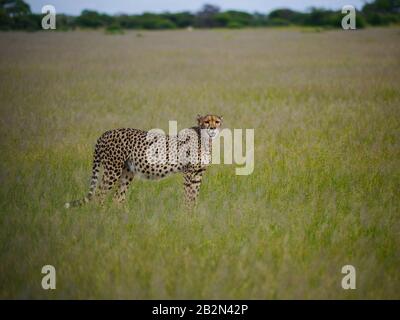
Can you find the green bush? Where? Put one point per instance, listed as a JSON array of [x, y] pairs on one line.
[[360, 22], [5, 20], [180, 19], [164, 24], [93, 19], [234, 25], [152, 21], [277, 22], [381, 19], [114, 29], [292, 16]]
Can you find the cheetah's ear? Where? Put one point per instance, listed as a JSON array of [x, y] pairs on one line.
[[221, 118], [199, 119]]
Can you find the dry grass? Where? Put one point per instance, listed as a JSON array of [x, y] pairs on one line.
[[324, 193]]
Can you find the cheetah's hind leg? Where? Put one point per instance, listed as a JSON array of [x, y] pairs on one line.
[[110, 177], [123, 183]]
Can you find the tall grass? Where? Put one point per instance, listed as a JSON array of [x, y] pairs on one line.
[[324, 192]]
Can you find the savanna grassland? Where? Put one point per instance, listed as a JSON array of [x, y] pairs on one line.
[[324, 193]]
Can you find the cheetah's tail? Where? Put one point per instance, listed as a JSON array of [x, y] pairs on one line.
[[93, 183]]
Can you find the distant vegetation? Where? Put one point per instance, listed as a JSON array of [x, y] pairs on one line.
[[17, 15]]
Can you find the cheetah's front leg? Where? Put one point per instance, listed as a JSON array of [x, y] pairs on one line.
[[192, 182]]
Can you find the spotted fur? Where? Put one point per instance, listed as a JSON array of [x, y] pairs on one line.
[[125, 154]]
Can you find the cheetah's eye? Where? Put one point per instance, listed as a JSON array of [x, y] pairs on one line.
[[207, 122], [217, 122]]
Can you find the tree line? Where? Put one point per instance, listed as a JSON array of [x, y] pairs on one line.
[[17, 15]]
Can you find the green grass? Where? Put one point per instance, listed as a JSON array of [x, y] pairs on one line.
[[324, 192]]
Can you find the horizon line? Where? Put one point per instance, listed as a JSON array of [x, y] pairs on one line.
[[307, 10]]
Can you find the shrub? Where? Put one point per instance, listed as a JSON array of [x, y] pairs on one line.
[[234, 25], [277, 22], [114, 29]]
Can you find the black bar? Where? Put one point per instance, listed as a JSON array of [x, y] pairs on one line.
[[200, 309]]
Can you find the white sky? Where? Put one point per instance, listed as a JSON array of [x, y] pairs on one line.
[[74, 7]]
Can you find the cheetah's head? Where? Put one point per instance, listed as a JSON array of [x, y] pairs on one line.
[[210, 123]]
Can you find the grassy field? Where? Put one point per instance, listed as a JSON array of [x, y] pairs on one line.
[[325, 107]]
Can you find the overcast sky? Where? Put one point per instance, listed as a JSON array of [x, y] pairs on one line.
[[74, 7]]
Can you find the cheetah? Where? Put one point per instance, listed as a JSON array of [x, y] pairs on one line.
[[127, 153]]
